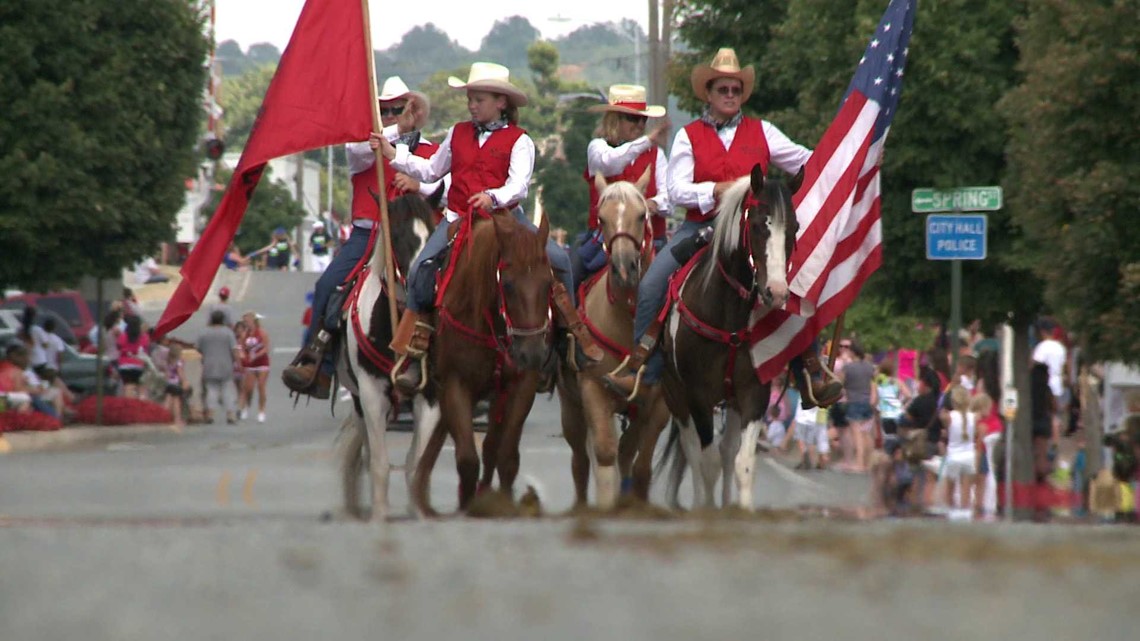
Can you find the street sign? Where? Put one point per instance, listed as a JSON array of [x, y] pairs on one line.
[[926, 200], [960, 237]]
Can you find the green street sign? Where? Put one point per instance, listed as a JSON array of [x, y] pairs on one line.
[[927, 200]]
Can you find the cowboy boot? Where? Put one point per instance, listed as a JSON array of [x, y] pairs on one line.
[[303, 373], [410, 343], [573, 323], [817, 384], [626, 378]]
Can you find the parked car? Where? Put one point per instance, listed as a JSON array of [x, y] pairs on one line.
[[76, 313]]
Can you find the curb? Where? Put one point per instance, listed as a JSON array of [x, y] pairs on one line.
[[74, 436]]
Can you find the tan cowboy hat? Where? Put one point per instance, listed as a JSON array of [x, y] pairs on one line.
[[394, 88], [724, 65], [488, 76], [629, 99]]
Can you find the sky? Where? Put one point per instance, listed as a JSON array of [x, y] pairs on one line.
[[253, 21]]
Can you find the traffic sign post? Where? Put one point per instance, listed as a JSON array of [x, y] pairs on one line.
[[958, 237], [955, 237], [927, 200]]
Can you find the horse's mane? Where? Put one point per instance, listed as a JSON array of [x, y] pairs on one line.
[[726, 229], [473, 284], [402, 214], [726, 232]]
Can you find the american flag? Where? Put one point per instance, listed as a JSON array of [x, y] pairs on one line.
[[840, 239]]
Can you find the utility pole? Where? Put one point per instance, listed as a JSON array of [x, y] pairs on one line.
[[653, 86], [299, 185], [665, 51]]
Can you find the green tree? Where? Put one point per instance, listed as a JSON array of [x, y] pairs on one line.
[[1074, 180], [421, 53], [448, 105], [241, 97], [102, 111], [507, 43]]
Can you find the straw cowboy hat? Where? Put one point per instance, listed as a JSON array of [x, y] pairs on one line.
[[724, 65], [394, 88], [629, 99], [488, 76]]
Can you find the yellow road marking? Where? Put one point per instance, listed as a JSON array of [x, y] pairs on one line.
[[223, 492], [5, 446], [247, 488]]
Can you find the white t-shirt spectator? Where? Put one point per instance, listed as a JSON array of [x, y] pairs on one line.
[[54, 346], [37, 351], [1052, 354]]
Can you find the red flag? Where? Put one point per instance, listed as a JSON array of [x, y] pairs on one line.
[[840, 241], [319, 96]]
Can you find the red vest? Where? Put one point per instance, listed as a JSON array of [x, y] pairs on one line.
[[364, 206], [713, 163], [648, 158], [474, 168]]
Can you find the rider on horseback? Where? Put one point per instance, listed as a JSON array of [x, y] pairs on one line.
[[623, 152], [708, 155], [491, 160], [312, 368]]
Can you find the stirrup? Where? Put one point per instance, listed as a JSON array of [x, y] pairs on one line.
[[399, 365], [606, 380]]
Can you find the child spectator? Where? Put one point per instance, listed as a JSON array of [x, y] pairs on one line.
[[175, 383], [890, 396], [958, 465], [132, 345]]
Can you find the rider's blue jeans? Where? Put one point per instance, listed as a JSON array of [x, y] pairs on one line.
[[652, 291], [341, 266]]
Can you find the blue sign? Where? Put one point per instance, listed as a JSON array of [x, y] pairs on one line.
[[961, 237]]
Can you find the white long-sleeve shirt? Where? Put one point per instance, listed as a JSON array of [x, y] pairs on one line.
[[610, 161], [362, 158], [430, 169], [683, 192]]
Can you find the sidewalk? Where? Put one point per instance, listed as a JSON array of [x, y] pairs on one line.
[[75, 436]]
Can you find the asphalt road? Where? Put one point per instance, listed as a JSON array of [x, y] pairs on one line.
[[236, 532]]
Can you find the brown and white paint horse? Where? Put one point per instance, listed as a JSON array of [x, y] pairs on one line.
[[706, 344], [367, 331]]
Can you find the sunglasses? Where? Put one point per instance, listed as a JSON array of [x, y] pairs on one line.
[[845, 345], [634, 118], [726, 90], [391, 111]]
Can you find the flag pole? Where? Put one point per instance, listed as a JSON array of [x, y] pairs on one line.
[[385, 227], [836, 336]]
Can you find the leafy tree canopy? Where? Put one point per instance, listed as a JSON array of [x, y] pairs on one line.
[[1074, 179], [99, 133], [272, 206]]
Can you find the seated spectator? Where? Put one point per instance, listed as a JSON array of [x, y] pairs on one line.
[[53, 350], [13, 382], [147, 272]]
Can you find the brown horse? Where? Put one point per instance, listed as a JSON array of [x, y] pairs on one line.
[[607, 308], [492, 341], [706, 345]]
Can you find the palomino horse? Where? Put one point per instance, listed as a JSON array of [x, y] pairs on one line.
[[367, 361], [606, 306], [707, 330], [492, 341]]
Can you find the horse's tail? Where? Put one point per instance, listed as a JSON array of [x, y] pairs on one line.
[[354, 462]]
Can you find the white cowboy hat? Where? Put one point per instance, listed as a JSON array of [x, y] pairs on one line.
[[724, 65], [488, 76], [629, 99], [394, 88], [318, 224]]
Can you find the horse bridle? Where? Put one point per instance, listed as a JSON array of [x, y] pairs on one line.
[[504, 313]]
